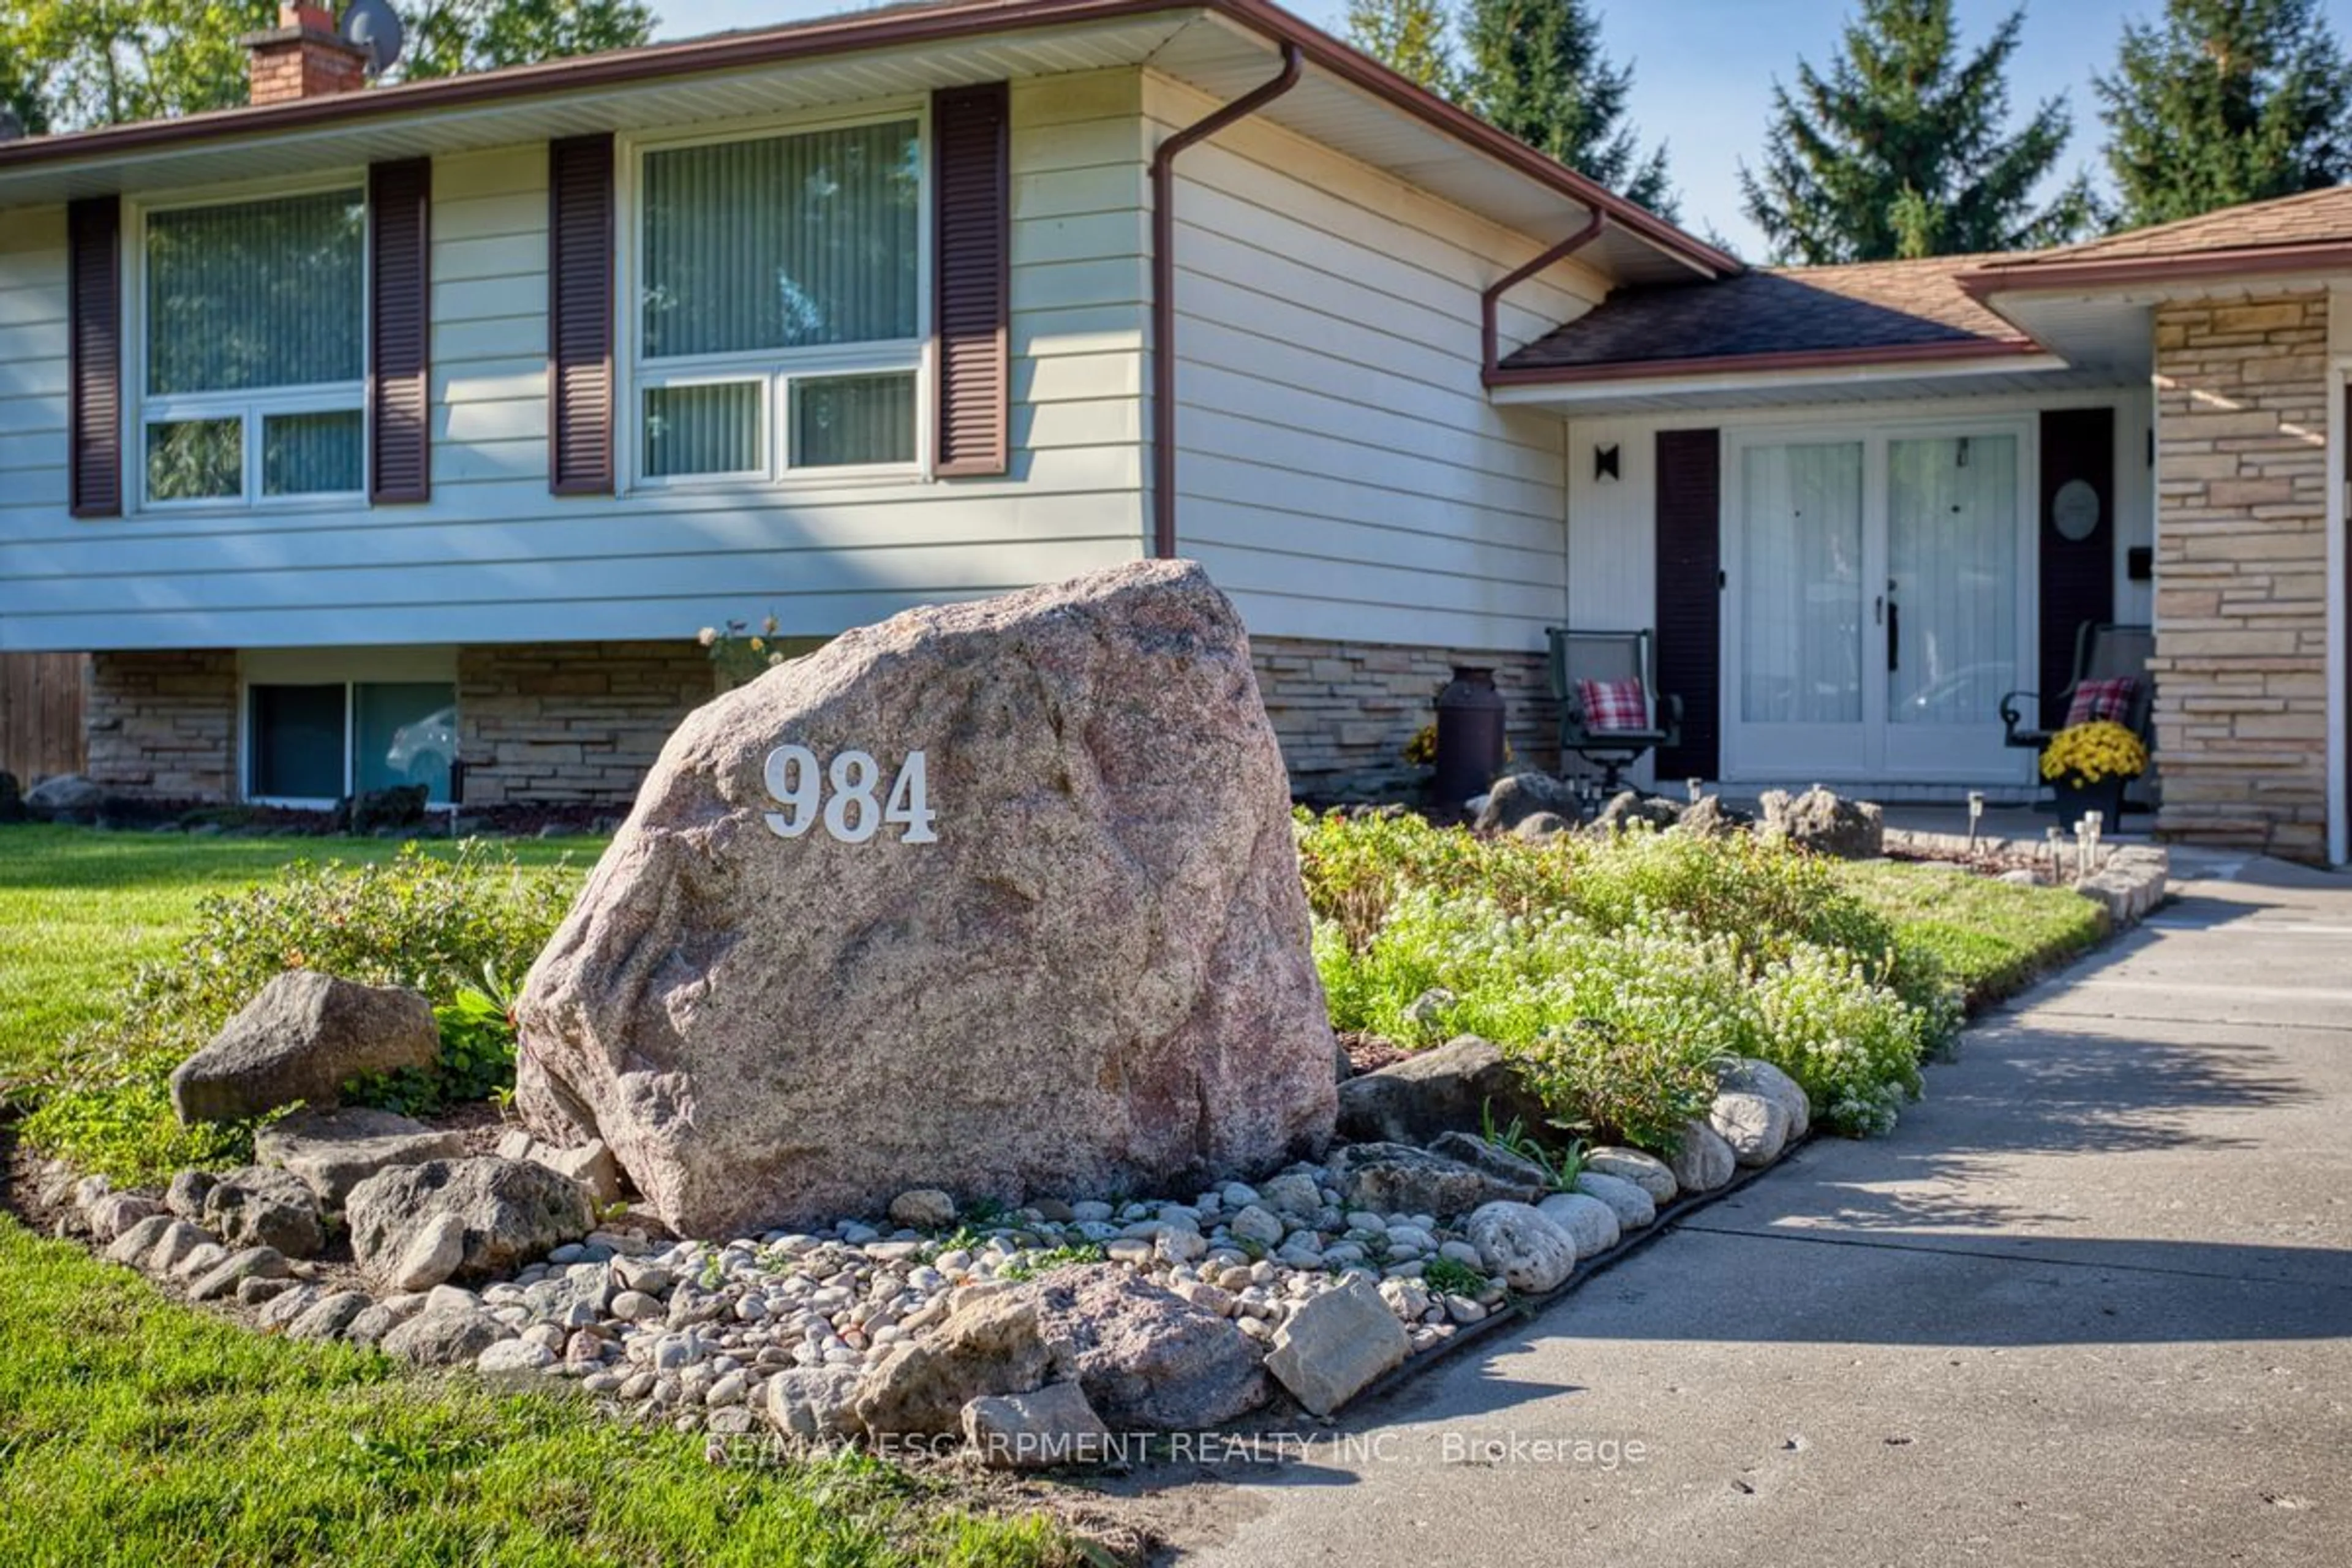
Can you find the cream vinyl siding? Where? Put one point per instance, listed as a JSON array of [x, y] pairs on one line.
[[494, 558], [1341, 472], [33, 375]]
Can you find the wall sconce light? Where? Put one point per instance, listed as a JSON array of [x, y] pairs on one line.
[[1605, 462]]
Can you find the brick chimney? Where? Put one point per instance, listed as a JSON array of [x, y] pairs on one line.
[[302, 56]]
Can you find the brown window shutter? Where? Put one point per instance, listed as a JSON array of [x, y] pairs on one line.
[[94, 237], [580, 315], [400, 367], [1689, 608], [972, 175]]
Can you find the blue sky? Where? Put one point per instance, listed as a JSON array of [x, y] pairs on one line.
[[1702, 70]]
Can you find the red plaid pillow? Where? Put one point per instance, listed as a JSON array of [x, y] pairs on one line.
[[2096, 700], [1614, 707]]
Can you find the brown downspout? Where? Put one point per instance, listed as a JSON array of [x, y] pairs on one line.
[[1488, 360], [1163, 289]]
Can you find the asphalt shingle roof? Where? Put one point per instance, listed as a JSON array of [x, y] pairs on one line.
[[2314, 217], [1878, 304]]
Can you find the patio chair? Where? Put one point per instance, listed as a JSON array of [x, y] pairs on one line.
[[2104, 651], [1611, 711]]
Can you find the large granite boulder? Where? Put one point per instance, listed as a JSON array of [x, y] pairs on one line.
[[299, 1041], [780, 1009], [510, 1212]]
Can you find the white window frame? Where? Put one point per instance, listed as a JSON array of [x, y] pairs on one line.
[[252, 406], [344, 669], [777, 369]]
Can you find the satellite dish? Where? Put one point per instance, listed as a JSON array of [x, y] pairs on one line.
[[372, 27]]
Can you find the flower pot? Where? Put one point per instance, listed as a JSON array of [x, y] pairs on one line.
[[2071, 799]]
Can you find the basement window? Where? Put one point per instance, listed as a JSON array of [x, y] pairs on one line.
[[311, 744]]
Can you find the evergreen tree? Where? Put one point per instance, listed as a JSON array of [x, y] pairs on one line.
[[1535, 68], [2225, 101], [1406, 35], [1901, 149]]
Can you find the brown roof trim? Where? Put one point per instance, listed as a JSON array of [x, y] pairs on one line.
[[2121, 272], [1957, 351], [888, 27]]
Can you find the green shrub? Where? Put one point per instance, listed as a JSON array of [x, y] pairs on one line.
[[1619, 972], [435, 925]]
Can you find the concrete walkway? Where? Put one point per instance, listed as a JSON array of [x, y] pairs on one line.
[[2090, 1304]]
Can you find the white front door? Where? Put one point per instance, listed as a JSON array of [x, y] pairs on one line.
[[1879, 603]]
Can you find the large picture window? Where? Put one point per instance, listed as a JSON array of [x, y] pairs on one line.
[[255, 347], [320, 742], [780, 303]]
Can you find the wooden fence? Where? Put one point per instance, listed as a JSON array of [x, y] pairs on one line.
[[41, 698]]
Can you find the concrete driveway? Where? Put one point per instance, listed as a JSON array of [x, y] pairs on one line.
[[2090, 1304]]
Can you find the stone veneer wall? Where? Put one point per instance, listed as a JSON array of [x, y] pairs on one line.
[[163, 725], [2241, 572], [551, 723], [1343, 711]]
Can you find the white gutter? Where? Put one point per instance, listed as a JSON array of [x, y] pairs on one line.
[[1622, 389]]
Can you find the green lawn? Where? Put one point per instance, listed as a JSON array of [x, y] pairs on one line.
[[79, 908], [136, 1431], [1993, 938]]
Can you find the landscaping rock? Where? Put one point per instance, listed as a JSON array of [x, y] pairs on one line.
[[1708, 817], [300, 1040], [1543, 825], [1647, 1172], [925, 1208], [1704, 1161], [1334, 1346], [1521, 1243], [1753, 1124], [1395, 1178], [1588, 1222], [1634, 1208], [373, 811], [334, 1150], [992, 1345], [199, 1260], [70, 796], [172, 1247], [1147, 1358], [116, 1213], [1100, 756], [512, 1211], [330, 1317], [433, 1252], [1447, 1088], [1492, 1158], [1518, 796], [281, 1311], [255, 1292], [814, 1404], [137, 1240], [185, 1196], [1053, 1426], [451, 1336], [374, 1324], [252, 1262], [1627, 808], [1754, 1077], [1824, 824], [257, 1206], [513, 1356], [591, 1163]]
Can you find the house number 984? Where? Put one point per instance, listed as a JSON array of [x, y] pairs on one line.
[[845, 794]]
